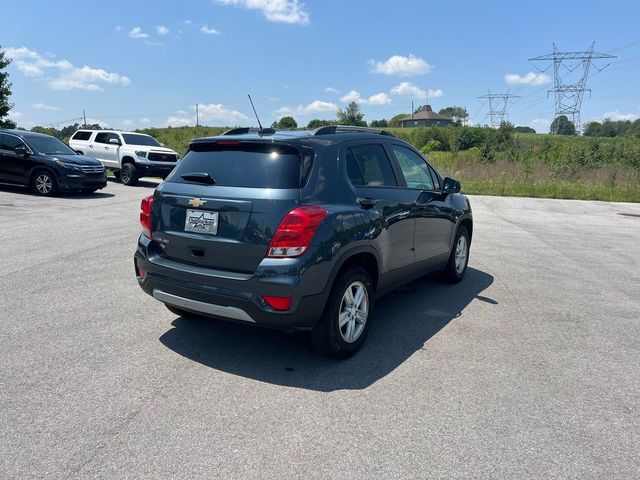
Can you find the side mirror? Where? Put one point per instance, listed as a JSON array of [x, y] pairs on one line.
[[115, 141], [21, 150], [449, 185]]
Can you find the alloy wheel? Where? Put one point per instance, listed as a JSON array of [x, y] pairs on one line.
[[44, 184], [462, 253], [353, 313]]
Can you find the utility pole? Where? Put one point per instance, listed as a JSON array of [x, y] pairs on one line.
[[569, 95], [412, 110], [498, 103], [197, 116], [84, 116]]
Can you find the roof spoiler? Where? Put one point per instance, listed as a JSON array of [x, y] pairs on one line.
[[331, 129], [246, 130]]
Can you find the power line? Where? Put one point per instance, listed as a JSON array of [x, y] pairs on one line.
[[568, 96], [498, 103]]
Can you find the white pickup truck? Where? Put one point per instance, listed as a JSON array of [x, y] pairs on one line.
[[129, 155]]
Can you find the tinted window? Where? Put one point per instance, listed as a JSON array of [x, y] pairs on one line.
[[434, 176], [255, 165], [9, 142], [368, 165], [49, 146], [81, 136], [414, 168], [104, 137], [135, 139]]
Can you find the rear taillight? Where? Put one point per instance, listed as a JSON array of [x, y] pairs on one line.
[[145, 215], [296, 231]]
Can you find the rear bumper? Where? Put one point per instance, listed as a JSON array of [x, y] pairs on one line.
[[230, 296]]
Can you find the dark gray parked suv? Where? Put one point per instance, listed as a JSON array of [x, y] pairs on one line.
[[299, 230]]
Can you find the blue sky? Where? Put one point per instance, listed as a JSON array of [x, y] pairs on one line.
[[148, 63]]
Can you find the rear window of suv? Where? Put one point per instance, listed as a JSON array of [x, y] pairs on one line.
[[246, 164], [81, 136]]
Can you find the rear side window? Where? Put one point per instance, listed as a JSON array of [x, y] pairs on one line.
[[253, 165], [369, 166], [414, 168], [9, 142], [81, 136], [104, 137]]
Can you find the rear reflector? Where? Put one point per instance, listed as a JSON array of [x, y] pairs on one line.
[[145, 215], [278, 303], [296, 231]]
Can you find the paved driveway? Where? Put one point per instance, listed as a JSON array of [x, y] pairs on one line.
[[530, 368]]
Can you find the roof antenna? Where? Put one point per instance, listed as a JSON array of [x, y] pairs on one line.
[[254, 111]]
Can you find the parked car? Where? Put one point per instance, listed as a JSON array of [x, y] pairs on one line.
[[299, 230], [129, 155], [46, 165]]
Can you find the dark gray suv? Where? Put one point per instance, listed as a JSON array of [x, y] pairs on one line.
[[299, 230]]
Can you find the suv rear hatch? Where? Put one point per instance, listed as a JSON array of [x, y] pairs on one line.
[[228, 225]]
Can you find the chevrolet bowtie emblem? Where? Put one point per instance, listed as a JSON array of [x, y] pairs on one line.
[[196, 202]]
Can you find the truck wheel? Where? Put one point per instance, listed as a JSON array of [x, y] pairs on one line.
[[44, 184], [129, 174], [346, 319], [459, 257]]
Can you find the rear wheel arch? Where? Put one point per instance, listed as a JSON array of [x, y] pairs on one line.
[[40, 168], [363, 258]]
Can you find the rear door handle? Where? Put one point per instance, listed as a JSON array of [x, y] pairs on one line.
[[367, 202]]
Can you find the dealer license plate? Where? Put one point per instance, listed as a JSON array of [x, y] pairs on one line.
[[199, 221]]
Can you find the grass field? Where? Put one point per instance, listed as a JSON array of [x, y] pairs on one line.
[[491, 162]]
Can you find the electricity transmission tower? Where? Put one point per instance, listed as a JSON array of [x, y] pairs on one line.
[[498, 103], [569, 96]]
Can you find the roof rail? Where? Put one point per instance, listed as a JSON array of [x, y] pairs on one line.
[[330, 129], [246, 130]]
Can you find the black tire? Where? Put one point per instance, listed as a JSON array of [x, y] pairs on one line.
[[453, 273], [328, 337], [129, 174], [44, 183]]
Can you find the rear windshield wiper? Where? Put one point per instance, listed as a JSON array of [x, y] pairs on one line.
[[199, 177]]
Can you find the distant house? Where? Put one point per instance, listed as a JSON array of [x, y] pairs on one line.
[[426, 117]]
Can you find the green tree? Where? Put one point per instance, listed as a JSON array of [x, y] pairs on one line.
[[5, 93], [287, 123], [395, 120], [521, 129], [379, 123], [351, 115], [317, 123], [457, 114], [563, 126], [592, 129]]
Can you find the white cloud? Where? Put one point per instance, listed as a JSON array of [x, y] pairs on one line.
[[408, 89], [119, 28], [332, 90], [540, 122], [43, 106], [209, 31], [317, 106], [280, 11], [14, 115], [535, 79], [218, 112], [401, 66], [616, 115], [128, 122], [97, 121], [187, 22], [136, 32], [181, 112], [62, 74], [145, 121], [174, 121], [162, 30], [377, 99]]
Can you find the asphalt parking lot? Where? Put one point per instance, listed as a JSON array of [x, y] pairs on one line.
[[529, 368]]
